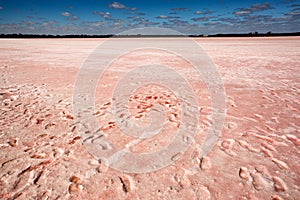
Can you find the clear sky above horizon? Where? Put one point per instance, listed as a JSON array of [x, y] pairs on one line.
[[112, 17]]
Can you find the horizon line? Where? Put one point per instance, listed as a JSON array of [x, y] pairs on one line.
[[251, 34]]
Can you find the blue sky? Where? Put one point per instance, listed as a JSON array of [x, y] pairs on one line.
[[111, 17]]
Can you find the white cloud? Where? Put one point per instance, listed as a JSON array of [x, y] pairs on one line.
[[66, 14], [74, 17], [98, 23], [162, 17], [201, 19], [254, 8], [117, 5], [167, 17], [199, 12], [260, 7], [48, 23], [242, 13], [105, 15], [69, 16], [94, 24]]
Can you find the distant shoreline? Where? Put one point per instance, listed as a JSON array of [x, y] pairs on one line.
[[255, 34]]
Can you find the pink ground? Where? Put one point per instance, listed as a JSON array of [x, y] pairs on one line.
[[256, 156]]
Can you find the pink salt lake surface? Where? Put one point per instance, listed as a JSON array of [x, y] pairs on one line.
[[256, 156]]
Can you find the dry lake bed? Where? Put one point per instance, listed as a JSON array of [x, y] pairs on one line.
[[50, 149]]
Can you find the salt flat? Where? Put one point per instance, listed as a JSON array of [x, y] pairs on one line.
[[43, 156]]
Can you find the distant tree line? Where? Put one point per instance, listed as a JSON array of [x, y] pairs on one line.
[[20, 35], [251, 34]]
